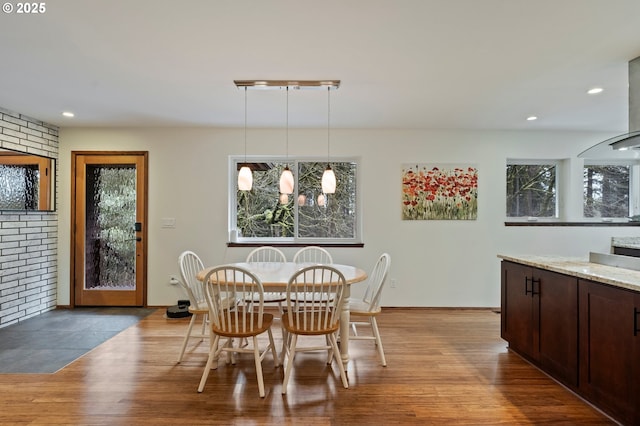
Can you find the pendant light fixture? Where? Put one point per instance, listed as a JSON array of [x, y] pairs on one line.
[[245, 177], [328, 177], [286, 178]]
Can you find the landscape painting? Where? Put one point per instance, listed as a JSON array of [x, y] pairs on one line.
[[439, 192]]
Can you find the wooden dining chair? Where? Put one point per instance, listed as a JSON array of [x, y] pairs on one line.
[[244, 321], [274, 256], [313, 254], [365, 310], [190, 264], [313, 317]]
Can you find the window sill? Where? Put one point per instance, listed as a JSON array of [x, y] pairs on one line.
[[603, 224], [291, 244]]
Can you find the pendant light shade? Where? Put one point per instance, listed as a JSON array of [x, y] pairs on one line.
[[328, 181], [245, 177], [286, 181]]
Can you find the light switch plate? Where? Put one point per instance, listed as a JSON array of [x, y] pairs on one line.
[[168, 222]]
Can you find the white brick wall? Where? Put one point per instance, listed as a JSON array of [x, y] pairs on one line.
[[28, 240]]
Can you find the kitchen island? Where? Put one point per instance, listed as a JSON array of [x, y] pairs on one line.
[[579, 322]]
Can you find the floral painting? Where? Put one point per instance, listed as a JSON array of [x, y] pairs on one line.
[[439, 192]]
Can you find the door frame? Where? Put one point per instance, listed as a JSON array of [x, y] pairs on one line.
[[143, 233]]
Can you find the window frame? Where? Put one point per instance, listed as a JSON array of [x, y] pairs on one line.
[[557, 163], [233, 232], [634, 185], [45, 167]]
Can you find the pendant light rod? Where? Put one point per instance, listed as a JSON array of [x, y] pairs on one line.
[[287, 136], [245, 125], [328, 123]]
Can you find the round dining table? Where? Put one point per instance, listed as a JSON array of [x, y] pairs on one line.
[[275, 277]]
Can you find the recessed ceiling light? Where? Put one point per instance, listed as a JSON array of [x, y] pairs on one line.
[[595, 90], [68, 114], [532, 118]]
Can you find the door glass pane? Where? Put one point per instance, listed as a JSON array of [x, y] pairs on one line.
[[110, 246]]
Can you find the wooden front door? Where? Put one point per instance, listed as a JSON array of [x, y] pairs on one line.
[[109, 232]]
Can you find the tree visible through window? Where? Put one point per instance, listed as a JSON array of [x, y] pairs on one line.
[[531, 190], [264, 213], [606, 190]]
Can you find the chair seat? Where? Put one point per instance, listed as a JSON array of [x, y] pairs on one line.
[[269, 297], [359, 307], [267, 320], [306, 320], [315, 297], [201, 308]]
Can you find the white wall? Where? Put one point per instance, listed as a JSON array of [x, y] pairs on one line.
[[435, 263]]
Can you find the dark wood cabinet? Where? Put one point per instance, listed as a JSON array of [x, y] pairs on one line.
[[584, 333], [517, 325], [540, 318], [610, 349], [558, 322]]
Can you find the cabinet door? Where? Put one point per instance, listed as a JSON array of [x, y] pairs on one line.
[[609, 372], [517, 322], [558, 325]]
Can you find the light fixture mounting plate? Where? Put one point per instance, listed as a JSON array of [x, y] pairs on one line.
[[283, 84]]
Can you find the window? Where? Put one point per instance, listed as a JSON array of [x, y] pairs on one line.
[[26, 181], [531, 188], [606, 190], [264, 215]]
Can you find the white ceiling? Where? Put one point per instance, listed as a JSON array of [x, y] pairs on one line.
[[473, 64]]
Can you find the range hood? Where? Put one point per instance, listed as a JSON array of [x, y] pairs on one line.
[[628, 144]]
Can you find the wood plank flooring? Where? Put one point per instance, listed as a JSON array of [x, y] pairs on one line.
[[445, 367]]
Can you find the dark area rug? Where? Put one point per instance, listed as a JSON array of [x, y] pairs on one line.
[[48, 342]]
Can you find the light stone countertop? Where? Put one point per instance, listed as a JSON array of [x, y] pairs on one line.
[[626, 242], [581, 268]]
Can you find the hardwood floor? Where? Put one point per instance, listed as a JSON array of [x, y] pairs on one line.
[[444, 367]]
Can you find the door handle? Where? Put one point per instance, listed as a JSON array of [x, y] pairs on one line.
[[526, 285], [535, 281], [636, 312]]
